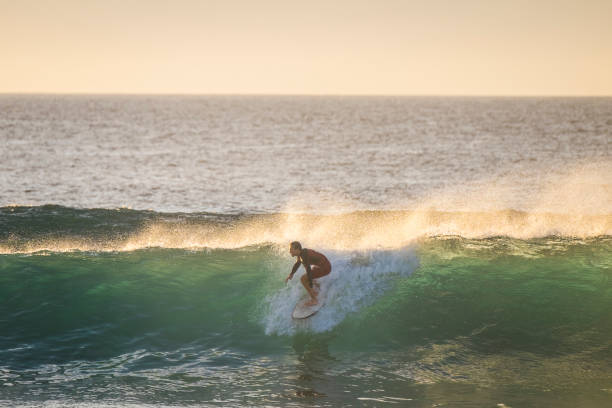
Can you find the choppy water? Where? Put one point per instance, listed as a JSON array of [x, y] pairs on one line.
[[470, 240]]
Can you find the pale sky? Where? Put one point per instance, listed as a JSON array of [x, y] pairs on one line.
[[392, 47]]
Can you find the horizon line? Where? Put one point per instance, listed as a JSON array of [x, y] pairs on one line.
[[308, 94]]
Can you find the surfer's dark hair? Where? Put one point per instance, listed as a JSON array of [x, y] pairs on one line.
[[296, 245]]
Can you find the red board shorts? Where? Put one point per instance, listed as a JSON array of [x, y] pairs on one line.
[[318, 271]]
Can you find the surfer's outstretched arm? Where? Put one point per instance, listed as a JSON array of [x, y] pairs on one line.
[[295, 268]]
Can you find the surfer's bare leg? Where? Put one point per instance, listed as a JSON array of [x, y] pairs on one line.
[[311, 291]]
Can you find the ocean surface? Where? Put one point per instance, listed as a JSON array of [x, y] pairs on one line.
[[144, 249]]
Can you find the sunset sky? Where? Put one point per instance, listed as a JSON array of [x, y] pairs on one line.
[[434, 47]]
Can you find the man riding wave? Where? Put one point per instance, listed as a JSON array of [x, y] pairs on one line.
[[316, 265]]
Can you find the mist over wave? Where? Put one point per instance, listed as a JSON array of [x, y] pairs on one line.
[[33, 229]]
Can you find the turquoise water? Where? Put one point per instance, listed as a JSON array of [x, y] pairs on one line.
[[445, 320]]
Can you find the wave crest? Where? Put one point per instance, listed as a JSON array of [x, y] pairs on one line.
[[360, 230]]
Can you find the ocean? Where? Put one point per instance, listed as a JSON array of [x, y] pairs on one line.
[[144, 250]]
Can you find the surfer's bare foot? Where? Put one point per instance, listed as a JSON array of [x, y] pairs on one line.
[[311, 303]]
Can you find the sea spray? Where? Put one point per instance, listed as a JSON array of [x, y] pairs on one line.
[[60, 229]]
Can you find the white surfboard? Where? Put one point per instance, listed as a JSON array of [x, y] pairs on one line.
[[302, 311]]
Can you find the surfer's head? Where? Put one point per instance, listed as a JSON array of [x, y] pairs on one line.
[[295, 248]]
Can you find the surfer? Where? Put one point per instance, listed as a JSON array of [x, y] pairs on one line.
[[316, 265]]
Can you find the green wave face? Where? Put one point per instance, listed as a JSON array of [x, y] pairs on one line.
[[96, 305], [523, 322]]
